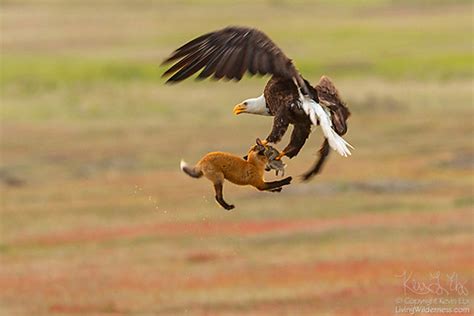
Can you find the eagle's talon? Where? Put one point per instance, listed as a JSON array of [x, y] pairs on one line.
[[280, 155]]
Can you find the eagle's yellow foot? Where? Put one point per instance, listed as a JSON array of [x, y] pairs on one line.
[[264, 142], [280, 155]]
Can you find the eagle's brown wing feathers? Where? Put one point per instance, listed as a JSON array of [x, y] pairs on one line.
[[329, 96], [328, 91], [229, 53]]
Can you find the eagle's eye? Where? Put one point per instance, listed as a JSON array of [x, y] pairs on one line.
[[245, 103]]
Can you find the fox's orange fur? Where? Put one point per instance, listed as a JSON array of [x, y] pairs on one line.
[[219, 166]]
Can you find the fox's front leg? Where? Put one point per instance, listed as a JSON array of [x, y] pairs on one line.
[[277, 190], [274, 185], [220, 198]]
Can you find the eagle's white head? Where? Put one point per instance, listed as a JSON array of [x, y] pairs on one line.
[[253, 106]]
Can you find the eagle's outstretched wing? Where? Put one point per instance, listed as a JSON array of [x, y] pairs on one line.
[[229, 53]]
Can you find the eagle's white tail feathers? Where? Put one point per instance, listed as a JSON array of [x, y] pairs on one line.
[[315, 111]]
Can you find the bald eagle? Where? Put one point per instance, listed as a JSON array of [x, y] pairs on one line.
[[230, 52]]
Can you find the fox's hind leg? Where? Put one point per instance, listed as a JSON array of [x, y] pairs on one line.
[[220, 198], [217, 178]]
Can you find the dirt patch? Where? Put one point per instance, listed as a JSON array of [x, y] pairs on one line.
[[9, 178]]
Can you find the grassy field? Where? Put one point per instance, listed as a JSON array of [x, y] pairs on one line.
[[97, 219]]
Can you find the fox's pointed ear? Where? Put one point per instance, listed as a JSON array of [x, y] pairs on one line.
[[259, 142]]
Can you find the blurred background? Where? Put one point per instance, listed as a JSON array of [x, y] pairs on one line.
[[97, 218]]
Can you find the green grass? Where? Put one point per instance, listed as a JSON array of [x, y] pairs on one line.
[[40, 74]]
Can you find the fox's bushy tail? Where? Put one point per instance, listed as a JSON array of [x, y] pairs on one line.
[[194, 172]]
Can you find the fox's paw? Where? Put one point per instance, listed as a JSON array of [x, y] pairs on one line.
[[276, 190]]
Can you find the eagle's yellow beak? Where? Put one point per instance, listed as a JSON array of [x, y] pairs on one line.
[[240, 108]]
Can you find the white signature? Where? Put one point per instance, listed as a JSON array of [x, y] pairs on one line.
[[435, 285]]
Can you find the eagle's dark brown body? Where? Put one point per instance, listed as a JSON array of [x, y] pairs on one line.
[[282, 99]]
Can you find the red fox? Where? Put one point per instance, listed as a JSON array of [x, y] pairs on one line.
[[217, 166]]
